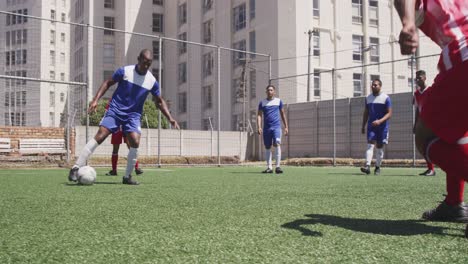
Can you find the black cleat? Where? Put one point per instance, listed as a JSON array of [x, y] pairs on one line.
[[377, 171], [138, 171], [366, 169], [73, 174], [447, 213], [268, 170], [112, 173], [278, 170], [129, 181], [428, 173]]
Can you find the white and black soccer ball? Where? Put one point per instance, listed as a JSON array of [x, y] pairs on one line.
[[86, 175]]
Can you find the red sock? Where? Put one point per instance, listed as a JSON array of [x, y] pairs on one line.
[[136, 165], [430, 165], [453, 159], [115, 158]]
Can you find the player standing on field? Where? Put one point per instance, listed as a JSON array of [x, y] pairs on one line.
[[377, 111], [421, 82], [125, 108], [442, 128], [271, 109]]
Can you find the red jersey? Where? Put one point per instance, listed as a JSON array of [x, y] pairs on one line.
[[446, 23]]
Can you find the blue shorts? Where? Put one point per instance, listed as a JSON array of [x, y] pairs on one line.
[[271, 136], [378, 135], [113, 122]]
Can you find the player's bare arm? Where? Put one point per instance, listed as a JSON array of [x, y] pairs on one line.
[[387, 116], [102, 90], [259, 122], [409, 38], [161, 105], [285, 122], [365, 116]]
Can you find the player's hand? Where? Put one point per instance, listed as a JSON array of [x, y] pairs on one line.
[[92, 107], [363, 130], [409, 39], [174, 123], [259, 131], [376, 123], [286, 131]]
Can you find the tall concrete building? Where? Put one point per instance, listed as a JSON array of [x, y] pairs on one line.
[[343, 34], [36, 49]]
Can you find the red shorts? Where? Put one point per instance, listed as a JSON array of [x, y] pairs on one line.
[[117, 137], [443, 107]]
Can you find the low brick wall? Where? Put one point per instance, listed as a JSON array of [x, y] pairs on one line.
[[16, 133]]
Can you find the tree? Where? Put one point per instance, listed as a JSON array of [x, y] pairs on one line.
[[149, 109]]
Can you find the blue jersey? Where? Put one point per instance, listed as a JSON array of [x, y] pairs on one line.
[[378, 106], [132, 90], [271, 112]]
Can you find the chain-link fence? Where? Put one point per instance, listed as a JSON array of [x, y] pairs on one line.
[[53, 68]]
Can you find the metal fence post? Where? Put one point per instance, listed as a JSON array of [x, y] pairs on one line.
[[219, 104], [334, 116], [159, 111], [412, 108]]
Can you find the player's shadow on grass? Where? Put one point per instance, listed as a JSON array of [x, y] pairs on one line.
[[373, 226], [96, 183]]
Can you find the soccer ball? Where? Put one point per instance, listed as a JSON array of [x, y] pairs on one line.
[[86, 175]]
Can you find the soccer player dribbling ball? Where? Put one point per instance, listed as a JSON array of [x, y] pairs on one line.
[[135, 82], [442, 128]]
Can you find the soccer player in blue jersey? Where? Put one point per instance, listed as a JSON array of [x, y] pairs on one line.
[[271, 109], [135, 82], [377, 111]]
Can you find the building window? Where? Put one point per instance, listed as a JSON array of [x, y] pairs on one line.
[[62, 57], [182, 45], [207, 96], [52, 119], [158, 23], [207, 4], [52, 15], [207, 31], [156, 50], [253, 84], [52, 58], [316, 83], [357, 11], [109, 4], [375, 51], [52, 75], [252, 43], [252, 9], [182, 98], [237, 55], [62, 37], [52, 99], [182, 14], [109, 53], [62, 76], [208, 63], [23, 98], [109, 22], [182, 72], [7, 38], [373, 12], [158, 2], [64, 17], [357, 84], [374, 77], [316, 8], [52, 37], [237, 91], [239, 19], [62, 97], [357, 48], [316, 41]]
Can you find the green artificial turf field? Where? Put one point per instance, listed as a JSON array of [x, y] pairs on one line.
[[226, 215]]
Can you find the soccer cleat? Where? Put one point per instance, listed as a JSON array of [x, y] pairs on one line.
[[428, 173], [73, 174], [278, 170], [112, 173], [129, 181], [377, 171], [447, 213], [365, 169], [138, 171], [268, 170]]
